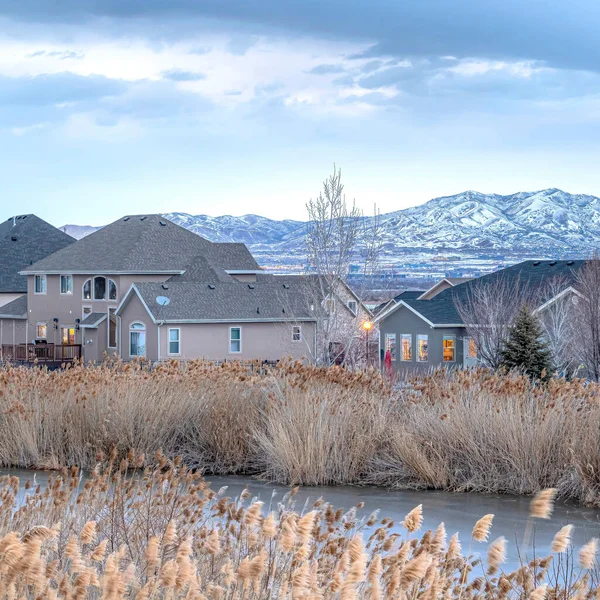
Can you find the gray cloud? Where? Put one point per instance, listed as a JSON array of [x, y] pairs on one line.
[[559, 33]]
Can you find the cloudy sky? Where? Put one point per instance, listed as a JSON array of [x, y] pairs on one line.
[[243, 106]]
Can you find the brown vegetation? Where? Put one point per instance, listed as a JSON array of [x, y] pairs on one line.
[[164, 533], [303, 425]]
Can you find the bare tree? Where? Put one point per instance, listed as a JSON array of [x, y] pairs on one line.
[[587, 317], [558, 320], [488, 309], [335, 231]]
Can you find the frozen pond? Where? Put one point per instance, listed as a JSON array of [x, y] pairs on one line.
[[458, 512]]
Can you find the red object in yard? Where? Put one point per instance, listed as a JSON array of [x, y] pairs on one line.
[[387, 363]]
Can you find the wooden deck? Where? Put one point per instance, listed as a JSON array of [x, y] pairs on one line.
[[40, 353]]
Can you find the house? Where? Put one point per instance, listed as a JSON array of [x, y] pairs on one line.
[[146, 287], [428, 331], [24, 239]]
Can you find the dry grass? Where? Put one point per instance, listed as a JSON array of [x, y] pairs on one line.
[[302, 425], [163, 533]]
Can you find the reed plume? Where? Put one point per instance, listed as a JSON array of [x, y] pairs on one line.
[[542, 505], [562, 539], [482, 528]]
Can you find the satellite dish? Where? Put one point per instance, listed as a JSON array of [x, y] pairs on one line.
[[162, 300]]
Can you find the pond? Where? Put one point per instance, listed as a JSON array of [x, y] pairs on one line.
[[458, 512]]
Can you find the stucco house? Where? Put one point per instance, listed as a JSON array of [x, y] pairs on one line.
[[428, 331], [25, 239], [146, 287]]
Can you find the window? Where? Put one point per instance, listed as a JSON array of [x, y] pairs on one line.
[[235, 340], [137, 339], [99, 288], [407, 346], [449, 348], [39, 284], [390, 345], [40, 331], [330, 306], [85, 311], [353, 306], [174, 341], [296, 333], [87, 290], [112, 328], [66, 284], [471, 348], [112, 290], [68, 335], [422, 349]]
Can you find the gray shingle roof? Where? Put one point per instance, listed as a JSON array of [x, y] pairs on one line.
[[143, 244], [93, 320], [17, 309], [25, 240], [231, 301], [441, 309]]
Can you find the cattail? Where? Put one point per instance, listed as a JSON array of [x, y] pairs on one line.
[[414, 519], [587, 554], [496, 554], [562, 539], [482, 528], [88, 533], [542, 505]]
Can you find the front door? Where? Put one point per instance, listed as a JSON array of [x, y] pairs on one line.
[[68, 336]]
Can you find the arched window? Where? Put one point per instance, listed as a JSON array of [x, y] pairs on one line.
[[87, 290], [112, 290], [99, 288], [137, 339]]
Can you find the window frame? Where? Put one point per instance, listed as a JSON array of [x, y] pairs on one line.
[[453, 338], [294, 328], [37, 278], [114, 309], [113, 283], [354, 310], [406, 336], [45, 326], [178, 341], [232, 340], [68, 328], [90, 299], [422, 337], [132, 330], [386, 346], [69, 278]]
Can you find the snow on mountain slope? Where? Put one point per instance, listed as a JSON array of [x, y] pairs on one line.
[[550, 221]]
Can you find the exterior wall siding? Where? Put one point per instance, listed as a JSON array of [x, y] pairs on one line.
[[404, 321], [15, 331], [260, 341]]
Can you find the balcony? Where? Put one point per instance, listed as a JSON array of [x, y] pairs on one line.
[[40, 353]]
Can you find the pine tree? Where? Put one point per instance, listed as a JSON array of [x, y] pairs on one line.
[[525, 348]]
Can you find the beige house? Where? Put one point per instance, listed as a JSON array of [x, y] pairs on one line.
[[144, 286]]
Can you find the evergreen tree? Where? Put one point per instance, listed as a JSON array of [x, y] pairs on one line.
[[525, 348]]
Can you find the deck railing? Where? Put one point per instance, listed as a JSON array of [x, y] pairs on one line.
[[40, 352]]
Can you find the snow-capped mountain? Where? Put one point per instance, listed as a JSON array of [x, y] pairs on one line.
[[550, 222]]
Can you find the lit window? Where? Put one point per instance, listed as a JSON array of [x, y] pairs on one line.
[[449, 348], [137, 339], [40, 284], [87, 290], [471, 348], [40, 331], [68, 336], [66, 284], [390, 345], [174, 341], [235, 340], [406, 346], [422, 348], [112, 328], [296, 333], [353, 306]]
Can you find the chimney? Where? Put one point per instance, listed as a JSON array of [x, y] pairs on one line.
[[14, 221]]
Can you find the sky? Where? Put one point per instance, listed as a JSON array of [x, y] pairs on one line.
[[110, 107]]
